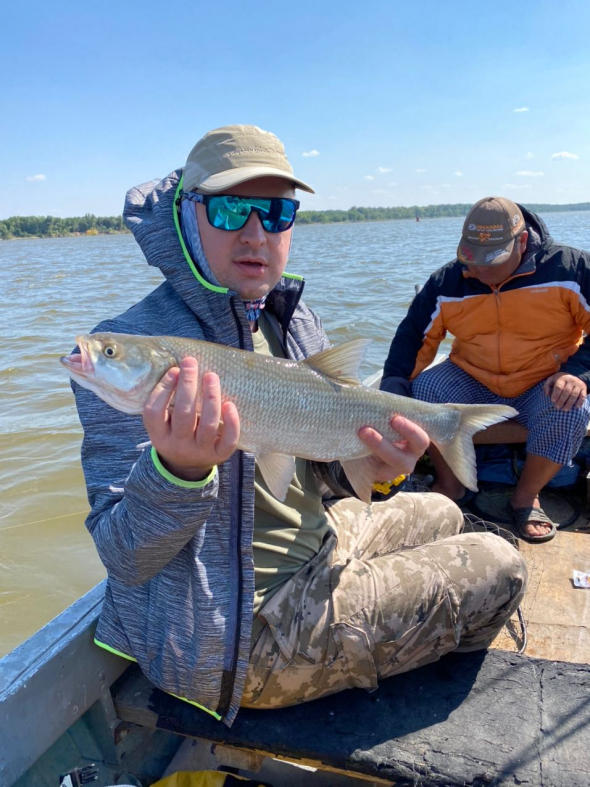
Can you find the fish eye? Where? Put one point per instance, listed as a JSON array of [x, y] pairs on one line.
[[109, 351]]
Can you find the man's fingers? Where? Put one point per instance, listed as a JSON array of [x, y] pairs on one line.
[[184, 416], [418, 440], [210, 410], [581, 399], [561, 393], [230, 433], [372, 438], [155, 412], [548, 384]]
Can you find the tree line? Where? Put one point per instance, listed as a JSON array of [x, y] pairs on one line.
[[54, 227], [415, 211]]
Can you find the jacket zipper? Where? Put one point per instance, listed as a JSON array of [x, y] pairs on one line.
[[496, 290], [229, 677]]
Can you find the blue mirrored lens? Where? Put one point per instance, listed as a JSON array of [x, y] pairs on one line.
[[231, 213]]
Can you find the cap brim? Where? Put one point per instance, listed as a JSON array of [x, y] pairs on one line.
[[233, 177], [475, 254]]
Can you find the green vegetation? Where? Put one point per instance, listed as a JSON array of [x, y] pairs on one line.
[[423, 211], [52, 227]]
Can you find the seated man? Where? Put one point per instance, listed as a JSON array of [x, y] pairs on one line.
[[224, 595], [517, 304]]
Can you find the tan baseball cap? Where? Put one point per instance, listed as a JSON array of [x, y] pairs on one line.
[[230, 155], [489, 231]]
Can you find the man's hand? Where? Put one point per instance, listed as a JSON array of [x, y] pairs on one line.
[[390, 460], [190, 445], [566, 391]]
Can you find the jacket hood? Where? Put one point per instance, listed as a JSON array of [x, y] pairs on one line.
[[150, 212], [539, 237]]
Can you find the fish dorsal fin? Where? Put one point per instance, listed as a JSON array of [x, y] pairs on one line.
[[341, 363], [277, 471]]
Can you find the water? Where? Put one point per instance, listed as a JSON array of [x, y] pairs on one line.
[[359, 277]]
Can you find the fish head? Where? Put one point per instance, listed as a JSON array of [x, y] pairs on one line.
[[121, 369]]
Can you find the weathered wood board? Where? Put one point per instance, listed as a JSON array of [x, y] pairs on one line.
[[557, 613]]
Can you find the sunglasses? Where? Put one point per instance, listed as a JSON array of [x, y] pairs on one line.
[[226, 212]]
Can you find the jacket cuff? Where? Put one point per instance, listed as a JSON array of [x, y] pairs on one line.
[[147, 482], [180, 481]]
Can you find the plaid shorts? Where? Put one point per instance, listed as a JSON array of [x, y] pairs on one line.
[[553, 433]]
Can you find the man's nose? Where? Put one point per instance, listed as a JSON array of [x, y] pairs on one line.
[[253, 232]]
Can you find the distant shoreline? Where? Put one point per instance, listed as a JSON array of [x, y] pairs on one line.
[[41, 227], [68, 235]]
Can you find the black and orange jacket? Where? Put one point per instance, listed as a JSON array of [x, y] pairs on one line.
[[510, 336]]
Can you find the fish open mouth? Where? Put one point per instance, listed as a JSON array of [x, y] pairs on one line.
[[79, 363]]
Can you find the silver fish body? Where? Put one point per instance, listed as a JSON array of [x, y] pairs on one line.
[[311, 409]]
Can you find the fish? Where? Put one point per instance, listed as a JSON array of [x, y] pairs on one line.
[[312, 408]]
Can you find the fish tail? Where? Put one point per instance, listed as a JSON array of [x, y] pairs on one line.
[[459, 452]]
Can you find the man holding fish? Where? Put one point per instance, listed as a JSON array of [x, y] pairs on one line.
[[517, 304], [232, 579]]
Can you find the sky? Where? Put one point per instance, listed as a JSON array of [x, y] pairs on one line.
[[381, 103]]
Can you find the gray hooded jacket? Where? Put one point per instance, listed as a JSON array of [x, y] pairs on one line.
[[179, 555]]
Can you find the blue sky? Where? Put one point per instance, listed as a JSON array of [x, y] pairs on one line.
[[398, 103]]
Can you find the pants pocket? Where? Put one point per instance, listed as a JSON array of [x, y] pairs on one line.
[[356, 648]]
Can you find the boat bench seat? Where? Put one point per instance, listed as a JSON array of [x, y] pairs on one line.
[[506, 432], [486, 718]]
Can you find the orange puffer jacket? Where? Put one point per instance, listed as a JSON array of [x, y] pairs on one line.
[[508, 337]]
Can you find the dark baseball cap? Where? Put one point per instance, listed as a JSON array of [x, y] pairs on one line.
[[489, 232]]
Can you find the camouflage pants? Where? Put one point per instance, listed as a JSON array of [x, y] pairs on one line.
[[395, 586]]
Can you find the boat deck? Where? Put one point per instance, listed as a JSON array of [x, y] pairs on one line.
[[556, 612]]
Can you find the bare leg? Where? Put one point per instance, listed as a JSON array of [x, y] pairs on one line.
[[446, 482], [537, 471]]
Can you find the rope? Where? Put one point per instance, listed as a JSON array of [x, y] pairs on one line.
[[39, 521]]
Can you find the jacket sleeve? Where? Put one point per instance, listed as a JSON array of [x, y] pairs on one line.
[[578, 364], [141, 516], [416, 340]]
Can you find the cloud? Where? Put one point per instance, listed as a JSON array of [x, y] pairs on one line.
[[564, 154], [516, 186], [42, 177], [369, 177], [527, 173], [392, 184], [310, 153], [421, 170], [379, 191], [383, 170], [521, 109], [458, 174], [445, 185], [530, 155]]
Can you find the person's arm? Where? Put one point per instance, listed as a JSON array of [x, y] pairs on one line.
[[416, 341], [143, 513], [568, 387]]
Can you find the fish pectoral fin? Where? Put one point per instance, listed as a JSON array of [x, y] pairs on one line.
[[360, 477], [341, 363], [277, 471]]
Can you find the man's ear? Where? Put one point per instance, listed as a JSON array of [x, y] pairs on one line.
[[523, 239]]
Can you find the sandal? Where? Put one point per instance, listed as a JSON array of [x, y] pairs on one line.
[[521, 517]]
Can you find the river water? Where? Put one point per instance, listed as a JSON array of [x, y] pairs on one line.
[[359, 277]]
